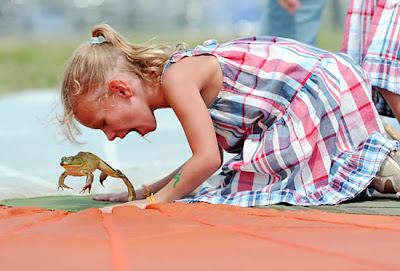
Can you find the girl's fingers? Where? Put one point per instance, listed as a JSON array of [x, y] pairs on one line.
[[123, 197]]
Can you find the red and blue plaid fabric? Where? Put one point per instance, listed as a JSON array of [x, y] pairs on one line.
[[300, 119], [372, 38]]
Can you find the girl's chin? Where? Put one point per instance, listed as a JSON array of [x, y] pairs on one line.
[[143, 133], [143, 130], [147, 130], [133, 130]]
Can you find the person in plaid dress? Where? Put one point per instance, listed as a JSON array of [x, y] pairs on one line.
[[371, 38], [300, 119]]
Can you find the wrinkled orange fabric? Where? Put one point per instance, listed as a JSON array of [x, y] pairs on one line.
[[200, 236]]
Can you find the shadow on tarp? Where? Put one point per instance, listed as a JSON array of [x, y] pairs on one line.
[[379, 204]]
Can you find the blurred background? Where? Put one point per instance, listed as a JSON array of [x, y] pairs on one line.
[[37, 38]]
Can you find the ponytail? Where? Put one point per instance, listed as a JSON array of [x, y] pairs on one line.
[[147, 61]]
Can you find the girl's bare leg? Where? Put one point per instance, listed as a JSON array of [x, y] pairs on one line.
[[393, 100]]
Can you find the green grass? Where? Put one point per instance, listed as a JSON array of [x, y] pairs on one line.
[[40, 65], [32, 65], [330, 40]]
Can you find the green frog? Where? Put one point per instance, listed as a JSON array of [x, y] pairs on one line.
[[83, 164]]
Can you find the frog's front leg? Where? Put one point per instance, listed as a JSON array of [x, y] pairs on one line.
[[89, 181], [61, 183]]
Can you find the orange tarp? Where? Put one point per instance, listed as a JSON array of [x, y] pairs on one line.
[[183, 236]]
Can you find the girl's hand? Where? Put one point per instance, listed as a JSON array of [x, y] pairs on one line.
[[122, 197], [138, 203]]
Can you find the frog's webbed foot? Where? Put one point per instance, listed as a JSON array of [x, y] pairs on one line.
[[62, 186], [86, 187], [89, 181]]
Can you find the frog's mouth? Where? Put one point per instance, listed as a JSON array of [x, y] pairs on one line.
[[68, 165]]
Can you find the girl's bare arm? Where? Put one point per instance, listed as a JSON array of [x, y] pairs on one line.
[[182, 87]]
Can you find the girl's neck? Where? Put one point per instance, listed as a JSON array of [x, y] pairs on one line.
[[156, 97]]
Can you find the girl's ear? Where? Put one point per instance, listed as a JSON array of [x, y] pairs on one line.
[[121, 88]]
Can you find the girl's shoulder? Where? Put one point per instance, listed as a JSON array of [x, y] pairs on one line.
[[200, 74], [191, 68]]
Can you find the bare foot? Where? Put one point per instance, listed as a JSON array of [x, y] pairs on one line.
[[122, 197]]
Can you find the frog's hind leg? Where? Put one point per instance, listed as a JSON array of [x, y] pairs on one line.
[[107, 170], [89, 181], [61, 183], [131, 190]]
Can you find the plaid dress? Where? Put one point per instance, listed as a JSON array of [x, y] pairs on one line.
[[372, 38], [300, 120]]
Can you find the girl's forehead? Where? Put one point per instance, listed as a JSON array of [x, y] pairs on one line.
[[87, 102], [92, 96], [88, 114]]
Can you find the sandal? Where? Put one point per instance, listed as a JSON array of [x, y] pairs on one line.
[[390, 171]]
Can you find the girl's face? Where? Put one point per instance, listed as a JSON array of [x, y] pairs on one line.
[[124, 110]]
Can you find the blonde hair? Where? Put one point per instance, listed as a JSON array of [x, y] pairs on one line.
[[88, 67]]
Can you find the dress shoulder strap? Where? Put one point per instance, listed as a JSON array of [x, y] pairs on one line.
[[207, 47]]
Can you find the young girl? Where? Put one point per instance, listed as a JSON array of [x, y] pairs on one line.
[[300, 119], [371, 37]]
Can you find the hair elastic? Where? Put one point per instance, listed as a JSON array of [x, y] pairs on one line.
[[97, 40], [151, 199]]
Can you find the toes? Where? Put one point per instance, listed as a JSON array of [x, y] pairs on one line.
[[64, 186]]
